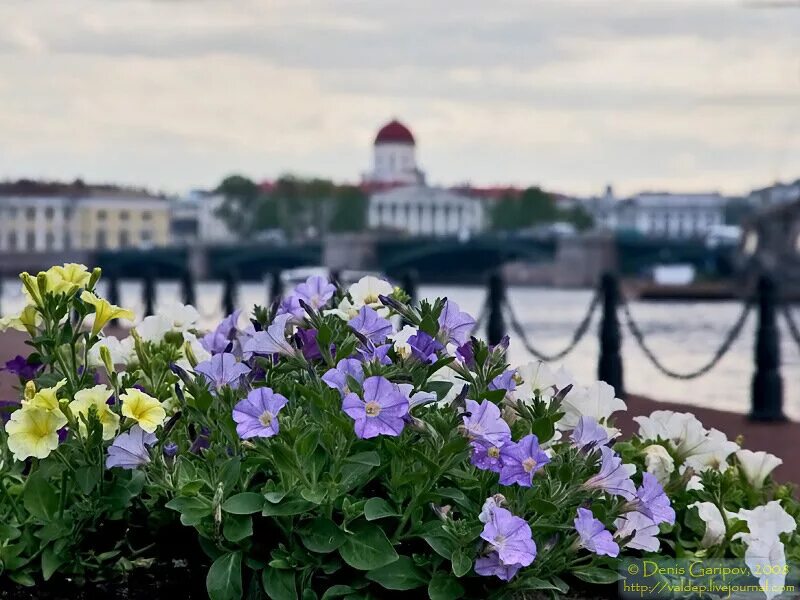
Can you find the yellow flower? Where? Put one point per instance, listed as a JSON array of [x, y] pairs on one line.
[[104, 311], [144, 409], [33, 431], [46, 398], [30, 287], [67, 278], [95, 396], [28, 320]]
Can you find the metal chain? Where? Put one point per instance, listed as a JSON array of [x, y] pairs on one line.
[[577, 336], [794, 330], [732, 336]]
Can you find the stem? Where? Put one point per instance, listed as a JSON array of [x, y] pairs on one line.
[[11, 501], [63, 503]]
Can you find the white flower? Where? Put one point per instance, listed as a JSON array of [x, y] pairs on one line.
[[448, 375], [766, 521], [659, 462], [695, 484], [367, 289], [756, 466], [154, 328], [712, 453], [715, 524], [767, 558], [200, 353], [597, 401], [642, 528], [120, 354], [400, 340], [535, 378], [181, 316]]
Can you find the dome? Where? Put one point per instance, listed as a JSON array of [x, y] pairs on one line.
[[394, 132]]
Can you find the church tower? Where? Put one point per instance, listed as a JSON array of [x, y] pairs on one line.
[[394, 156]]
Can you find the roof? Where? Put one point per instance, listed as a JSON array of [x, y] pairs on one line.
[[394, 132]]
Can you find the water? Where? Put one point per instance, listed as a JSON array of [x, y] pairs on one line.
[[683, 335]]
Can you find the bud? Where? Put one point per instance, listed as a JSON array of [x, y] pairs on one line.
[[95, 277], [189, 354], [105, 356], [30, 391], [30, 286], [170, 450], [42, 283]]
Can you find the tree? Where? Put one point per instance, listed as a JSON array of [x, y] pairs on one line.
[[240, 205], [350, 210], [532, 207]]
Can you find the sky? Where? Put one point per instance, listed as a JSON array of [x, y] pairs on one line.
[[176, 94]]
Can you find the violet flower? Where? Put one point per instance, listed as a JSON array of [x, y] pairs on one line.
[[589, 434], [271, 341], [307, 341], [337, 378], [652, 501], [381, 410], [424, 347], [257, 415], [521, 461], [510, 536], [371, 325], [504, 381], [492, 565], [222, 369], [373, 353], [486, 457], [316, 291], [613, 477], [466, 354], [454, 326], [170, 450], [6, 408], [218, 340], [593, 535], [129, 450], [22, 368], [484, 423], [201, 442]]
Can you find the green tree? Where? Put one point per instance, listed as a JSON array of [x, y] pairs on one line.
[[350, 206], [241, 204]]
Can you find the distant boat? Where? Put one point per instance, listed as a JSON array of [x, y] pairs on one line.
[[676, 274]]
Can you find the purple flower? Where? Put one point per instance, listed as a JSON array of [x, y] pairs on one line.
[[509, 536], [337, 378], [593, 534], [504, 381], [201, 442], [379, 354], [466, 354], [6, 408], [642, 528], [316, 291], [218, 340], [424, 347], [222, 369], [589, 434], [290, 305], [380, 412], [653, 502], [271, 341], [22, 368], [371, 325], [521, 461], [486, 457], [454, 326], [129, 449], [257, 415], [307, 340], [483, 423], [614, 477], [170, 450], [492, 565]]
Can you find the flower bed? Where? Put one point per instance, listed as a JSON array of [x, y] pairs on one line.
[[318, 450]]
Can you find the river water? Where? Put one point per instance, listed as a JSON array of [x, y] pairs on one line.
[[683, 335]]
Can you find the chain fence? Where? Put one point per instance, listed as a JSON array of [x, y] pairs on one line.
[[729, 340], [794, 330]]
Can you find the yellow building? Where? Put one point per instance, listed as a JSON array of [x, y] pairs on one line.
[[105, 221]]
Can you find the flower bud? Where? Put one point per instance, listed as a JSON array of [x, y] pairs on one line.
[[105, 357], [189, 354], [30, 391], [95, 277], [29, 283], [42, 283]]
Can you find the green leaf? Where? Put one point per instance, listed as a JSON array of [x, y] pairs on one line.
[[86, 478], [279, 584], [367, 547], [39, 497], [337, 591], [378, 508], [235, 528], [224, 579], [22, 578], [50, 562], [534, 583], [370, 458], [401, 574], [597, 575], [543, 506], [245, 503], [323, 535], [441, 544], [444, 586], [461, 563], [8, 532], [285, 508]]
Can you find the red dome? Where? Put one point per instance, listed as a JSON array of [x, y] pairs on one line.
[[394, 132]]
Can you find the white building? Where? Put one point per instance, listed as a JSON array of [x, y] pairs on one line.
[[780, 193], [394, 158], [194, 219]]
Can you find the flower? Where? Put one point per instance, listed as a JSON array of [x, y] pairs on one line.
[[505, 381], [171, 449], [218, 340], [104, 311], [96, 397], [454, 326], [307, 342], [129, 450], [371, 325], [33, 431], [483, 422], [142, 408], [122, 351], [380, 412], [367, 291], [424, 347], [67, 278], [22, 368], [449, 375], [597, 401], [589, 434], [537, 381], [257, 415], [521, 461], [222, 369], [154, 327], [614, 476], [486, 456], [27, 320], [712, 453], [337, 378], [492, 565], [653, 502], [641, 527], [46, 398], [593, 535], [181, 317], [510, 536], [316, 291], [767, 558], [400, 340], [715, 523], [768, 520], [658, 461], [192, 346], [271, 341], [756, 466], [491, 503]]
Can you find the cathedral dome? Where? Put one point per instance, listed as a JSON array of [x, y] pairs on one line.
[[394, 132]]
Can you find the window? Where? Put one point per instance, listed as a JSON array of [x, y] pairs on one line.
[[101, 215], [12, 212], [124, 215], [124, 238], [146, 236], [49, 212], [100, 239], [49, 241], [30, 213], [12, 240], [147, 215], [30, 240]]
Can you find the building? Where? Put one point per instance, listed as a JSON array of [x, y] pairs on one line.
[[195, 219], [394, 160], [780, 193], [48, 217]]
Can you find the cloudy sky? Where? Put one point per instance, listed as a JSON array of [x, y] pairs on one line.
[[174, 94]]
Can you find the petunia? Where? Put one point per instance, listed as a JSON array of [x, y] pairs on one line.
[[521, 460], [593, 535], [537, 380], [371, 325], [756, 466], [337, 378], [492, 565], [368, 290], [768, 520], [766, 559], [67, 278], [424, 347], [614, 477], [222, 369], [589, 434], [483, 422], [316, 291], [640, 528], [257, 415], [658, 461], [715, 523], [455, 326], [218, 340], [182, 317], [23, 368], [400, 341], [45, 398], [307, 342], [505, 381], [122, 352], [653, 502], [489, 506], [597, 401], [486, 457], [129, 450], [33, 431], [380, 411], [273, 340], [142, 408], [104, 311], [96, 398], [510, 536]]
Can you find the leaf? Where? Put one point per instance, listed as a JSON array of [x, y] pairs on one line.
[[86, 478], [337, 591], [543, 506], [50, 562], [323, 535], [370, 458], [285, 508], [461, 563], [237, 527], [597, 575], [441, 544], [401, 574], [367, 547], [8, 532], [279, 584], [224, 579], [378, 508], [245, 503], [444, 586], [40, 498]]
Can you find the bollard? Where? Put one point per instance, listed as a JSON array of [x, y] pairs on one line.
[[149, 294], [187, 288], [495, 326], [609, 367], [409, 285], [275, 287], [113, 288], [229, 293], [336, 278], [767, 388]]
